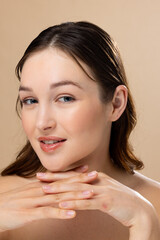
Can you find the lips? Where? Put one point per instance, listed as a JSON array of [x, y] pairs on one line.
[[50, 138], [47, 145]]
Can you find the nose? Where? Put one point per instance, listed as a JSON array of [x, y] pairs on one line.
[[45, 120]]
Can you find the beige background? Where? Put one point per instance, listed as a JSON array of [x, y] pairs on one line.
[[134, 24]]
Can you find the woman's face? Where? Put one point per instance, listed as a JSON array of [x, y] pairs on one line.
[[61, 101]]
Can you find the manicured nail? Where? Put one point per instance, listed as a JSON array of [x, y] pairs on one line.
[[91, 174], [63, 204], [70, 213], [41, 174], [83, 168], [46, 187], [85, 193]]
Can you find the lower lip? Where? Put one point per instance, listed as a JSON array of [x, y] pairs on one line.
[[50, 147]]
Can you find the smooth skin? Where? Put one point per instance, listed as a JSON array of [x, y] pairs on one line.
[[32, 201], [66, 188], [29, 202], [108, 195]]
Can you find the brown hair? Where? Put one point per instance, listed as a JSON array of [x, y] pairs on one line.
[[92, 45]]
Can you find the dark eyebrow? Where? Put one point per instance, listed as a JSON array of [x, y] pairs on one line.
[[65, 82], [54, 85]]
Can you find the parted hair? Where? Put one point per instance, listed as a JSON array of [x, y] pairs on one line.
[[85, 42]]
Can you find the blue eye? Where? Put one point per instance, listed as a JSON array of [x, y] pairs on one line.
[[67, 99], [29, 101]]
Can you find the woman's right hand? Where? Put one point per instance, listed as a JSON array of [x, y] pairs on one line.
[[29, 203]]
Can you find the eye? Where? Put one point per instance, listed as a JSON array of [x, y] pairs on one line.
[[66, 99], [29, 101]]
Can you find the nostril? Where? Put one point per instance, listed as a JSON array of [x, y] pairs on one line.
[[46, 125], [46, 128]]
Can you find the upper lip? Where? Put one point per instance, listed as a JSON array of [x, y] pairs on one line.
[[51, 138]]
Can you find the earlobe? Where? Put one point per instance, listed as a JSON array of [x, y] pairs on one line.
[[119, 102]]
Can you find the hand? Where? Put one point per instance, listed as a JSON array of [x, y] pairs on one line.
[[122, 203], [29, 203]]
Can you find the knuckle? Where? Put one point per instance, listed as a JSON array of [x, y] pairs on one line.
[[56, 187], [56, 198], [45, 199], [77, 195], [49, 199], [87, 203], [78, 178], [81, 177], [76, 186], [74, 204], [60, 213]]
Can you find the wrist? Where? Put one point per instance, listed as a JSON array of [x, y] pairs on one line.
[[146, 226], [154, 227]]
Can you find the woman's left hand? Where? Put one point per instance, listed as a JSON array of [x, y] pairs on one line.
[[110, 196]]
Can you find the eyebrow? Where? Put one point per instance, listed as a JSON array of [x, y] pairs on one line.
[[53, 85]]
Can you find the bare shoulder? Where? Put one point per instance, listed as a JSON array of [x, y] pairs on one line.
[[147, 186], [8, 183], [150, 189]]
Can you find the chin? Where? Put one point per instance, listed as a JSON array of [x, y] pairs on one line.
[[54, 166], [59, 163]]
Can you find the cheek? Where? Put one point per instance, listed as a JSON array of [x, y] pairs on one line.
[[27, 123], [84, 121]]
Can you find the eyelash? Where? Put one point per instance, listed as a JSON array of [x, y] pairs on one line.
[[24, 101]]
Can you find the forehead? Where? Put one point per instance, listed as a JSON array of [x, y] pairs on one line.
[[53, 61], [52, 65]]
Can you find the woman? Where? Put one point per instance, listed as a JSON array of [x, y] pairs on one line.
[[77, 113]]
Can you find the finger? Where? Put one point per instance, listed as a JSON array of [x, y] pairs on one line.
[[82, 177], [70, 183], [50, 177], [105, 204], [29, 190], [88, 204], [53, 199], [81, 169], [97, 201], [49, 212]]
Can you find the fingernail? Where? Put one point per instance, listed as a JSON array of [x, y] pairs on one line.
[[41, 174], [64, 204], [86, 193], [83, 168], [70, 213], [91, 174], [46, 187]]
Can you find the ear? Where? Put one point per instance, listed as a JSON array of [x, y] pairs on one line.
[[119, 102]]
